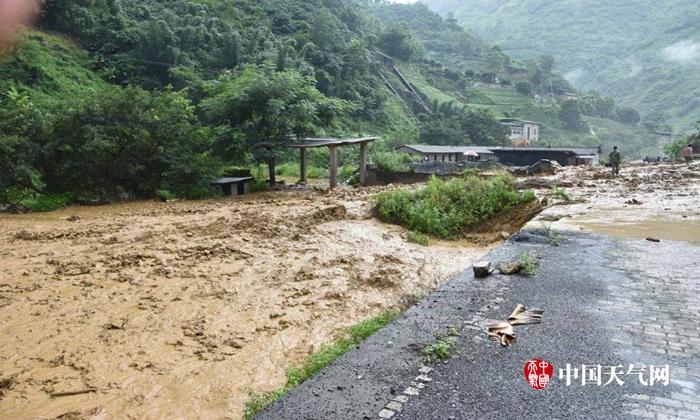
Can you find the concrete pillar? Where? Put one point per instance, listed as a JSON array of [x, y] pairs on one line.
[[363, 164], [302, 171], [334, 166]]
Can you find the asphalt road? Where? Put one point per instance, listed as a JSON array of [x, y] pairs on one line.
[[608, 302]]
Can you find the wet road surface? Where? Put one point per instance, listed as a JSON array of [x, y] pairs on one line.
[[607, 301]]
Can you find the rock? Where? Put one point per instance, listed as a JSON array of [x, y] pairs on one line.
[[483, 268], [512, 267], [534, 183], [544, 166], [504, 235], [653, 240], [73, 218], [633, 201]]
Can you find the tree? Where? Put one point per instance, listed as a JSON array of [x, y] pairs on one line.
[[524, 87], [128, 140], [21, 124], [398, 41], [628, 116], [258, 110], [570, 114]]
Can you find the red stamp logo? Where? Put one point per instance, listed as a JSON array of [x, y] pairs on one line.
[[538, 373]]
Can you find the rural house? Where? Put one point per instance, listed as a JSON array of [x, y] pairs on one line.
[[522, 133]]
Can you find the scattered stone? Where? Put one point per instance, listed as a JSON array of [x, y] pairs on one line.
[[483, 269], [534, 183], [386, 414], [401, 398], [411, 391], [653, 240], [544, 166], [394, 406], [512, 267]]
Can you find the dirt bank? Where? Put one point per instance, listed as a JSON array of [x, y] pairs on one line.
[[177, 309]]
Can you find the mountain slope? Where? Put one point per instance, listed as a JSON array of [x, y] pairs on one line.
[[645, 53]]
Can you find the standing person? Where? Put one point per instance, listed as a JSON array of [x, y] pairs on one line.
[[687, 154], [615, 161]]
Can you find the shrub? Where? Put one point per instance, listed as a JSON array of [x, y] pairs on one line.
[[45, 202], [446, 208], [418, 238], [392, 162]]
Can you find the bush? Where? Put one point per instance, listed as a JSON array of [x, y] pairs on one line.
[[293, 169], [45, 202], [418, 238], [392, 162], [446, 208]]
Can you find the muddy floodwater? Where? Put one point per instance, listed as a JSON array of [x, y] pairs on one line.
[[176, 310]]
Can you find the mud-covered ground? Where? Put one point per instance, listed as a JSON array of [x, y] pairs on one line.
[[178, 309], [659, 201]]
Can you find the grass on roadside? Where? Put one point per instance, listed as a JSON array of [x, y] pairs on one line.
[[348, 339], [442, 348], [529, 264]]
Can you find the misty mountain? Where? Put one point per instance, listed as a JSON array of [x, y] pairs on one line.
[[645, 53]]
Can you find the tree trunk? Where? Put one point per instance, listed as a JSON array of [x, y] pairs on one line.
[[271, 166]]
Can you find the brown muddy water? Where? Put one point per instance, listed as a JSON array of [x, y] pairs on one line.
[[176, 310]]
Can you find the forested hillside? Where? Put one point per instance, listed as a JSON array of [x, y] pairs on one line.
[[645, 53], [126, 98]]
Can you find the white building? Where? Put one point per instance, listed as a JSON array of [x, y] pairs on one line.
[[522, 133]]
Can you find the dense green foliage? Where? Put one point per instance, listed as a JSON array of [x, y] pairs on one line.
[[445, 208], [643, 52], [163, 95], [296, 375]]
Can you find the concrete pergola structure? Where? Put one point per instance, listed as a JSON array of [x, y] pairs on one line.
[[332, 144]]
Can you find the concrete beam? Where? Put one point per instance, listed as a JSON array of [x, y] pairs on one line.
[[334, 166], [363, 164], [302, 170]]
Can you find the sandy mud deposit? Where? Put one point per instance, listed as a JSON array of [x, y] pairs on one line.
[[659, 201], [176, 310]]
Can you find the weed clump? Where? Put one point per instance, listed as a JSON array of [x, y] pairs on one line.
[[418, 238], [445, 208]]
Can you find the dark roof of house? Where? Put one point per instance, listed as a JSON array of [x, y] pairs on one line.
[[325, 142], [573, 150], [509, 121], [223, 181], [427, 149]]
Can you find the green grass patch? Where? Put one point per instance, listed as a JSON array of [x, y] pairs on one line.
[[418, 238], [445, 208], [530, 264], [348, 339], [561, 193], [293, 169], [39, 202], [442, 348]]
